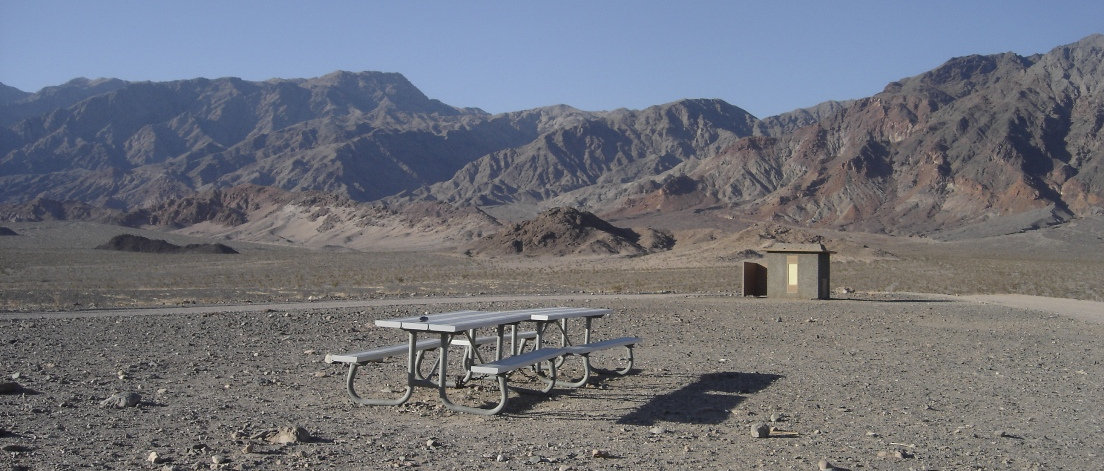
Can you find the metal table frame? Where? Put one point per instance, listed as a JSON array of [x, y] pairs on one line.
[[466, 323]]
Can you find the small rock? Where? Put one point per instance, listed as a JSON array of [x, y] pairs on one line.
[[432, 443], [218, 459], [760, 431], [658, 430], [247, 449], [121, 400], [824, 465], [596, 453], [895, 454], [154, 457], [500, 458], [775, 417], [15, 375], [289, 434]]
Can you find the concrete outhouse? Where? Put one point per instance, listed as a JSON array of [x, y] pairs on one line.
[[798, 271]]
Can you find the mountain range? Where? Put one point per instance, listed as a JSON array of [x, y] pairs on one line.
[[1002, 142]]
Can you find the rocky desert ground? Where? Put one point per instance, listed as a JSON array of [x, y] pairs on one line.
[[118, 360]]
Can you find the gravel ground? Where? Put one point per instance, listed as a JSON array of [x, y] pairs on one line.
[[872, 382]]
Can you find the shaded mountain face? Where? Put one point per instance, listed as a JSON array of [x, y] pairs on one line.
[[365, 135], [599, 150], [1002, 142], [16, 104], [9, 95]]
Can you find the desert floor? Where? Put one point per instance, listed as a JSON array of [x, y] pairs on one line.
[[876, 379]]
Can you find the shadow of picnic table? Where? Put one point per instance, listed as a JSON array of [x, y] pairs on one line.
[[707, 400]]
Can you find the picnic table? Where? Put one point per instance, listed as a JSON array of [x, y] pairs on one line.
[[460, 328]]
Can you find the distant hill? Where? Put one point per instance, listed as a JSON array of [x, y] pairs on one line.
[[981, 144], [135, 243], [271, 215]]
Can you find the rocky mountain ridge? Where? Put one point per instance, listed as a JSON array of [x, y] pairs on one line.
[[976, 141]]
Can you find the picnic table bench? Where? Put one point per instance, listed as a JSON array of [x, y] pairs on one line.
[[459, 328]]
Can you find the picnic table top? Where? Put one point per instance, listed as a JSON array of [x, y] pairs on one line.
[[459, 321]]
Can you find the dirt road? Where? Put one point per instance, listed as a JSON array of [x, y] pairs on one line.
[[1090, 311], [319, 305]]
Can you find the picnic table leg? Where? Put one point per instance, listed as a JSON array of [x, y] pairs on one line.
[[565, 340], [586, 373], [539, 342], [622, 371], [410, 375], [443, 392], [470, 354]]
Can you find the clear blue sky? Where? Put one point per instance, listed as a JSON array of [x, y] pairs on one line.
[[765, 56]]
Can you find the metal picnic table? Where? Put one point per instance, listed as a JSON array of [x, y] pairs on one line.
[[461, 327]]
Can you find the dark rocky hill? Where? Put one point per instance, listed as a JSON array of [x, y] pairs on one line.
[[136, 243], [569, 231]]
